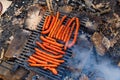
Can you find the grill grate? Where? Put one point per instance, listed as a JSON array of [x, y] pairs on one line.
[[29, 50]]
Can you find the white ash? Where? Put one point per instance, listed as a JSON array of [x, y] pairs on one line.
[[33, 17], [89, 24], [106, 42]]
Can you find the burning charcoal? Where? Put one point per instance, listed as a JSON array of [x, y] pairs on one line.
[[97, 40]]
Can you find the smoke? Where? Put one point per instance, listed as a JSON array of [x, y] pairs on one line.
[[81, 53], [88, 61], [110, 72]]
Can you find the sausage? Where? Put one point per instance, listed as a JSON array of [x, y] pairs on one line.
[[51, 25], [61, 33], [72, 28], [67, 22], [40, 45], [39, 57], [58, 33], [51, 39], [68, 38], [51, 42], [59, 26], [75, 34], [53, 70], [37, 60], [48, 22], [49, 58], [67, 26], [45, 22], [66, 45], [54, 49], [54, 46], [53, 32], [42, 65], [49, 55], [55, 22], [62, 20], [66, 35], [31, 61]]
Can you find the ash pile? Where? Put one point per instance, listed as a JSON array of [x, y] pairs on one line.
[[95, 55]]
